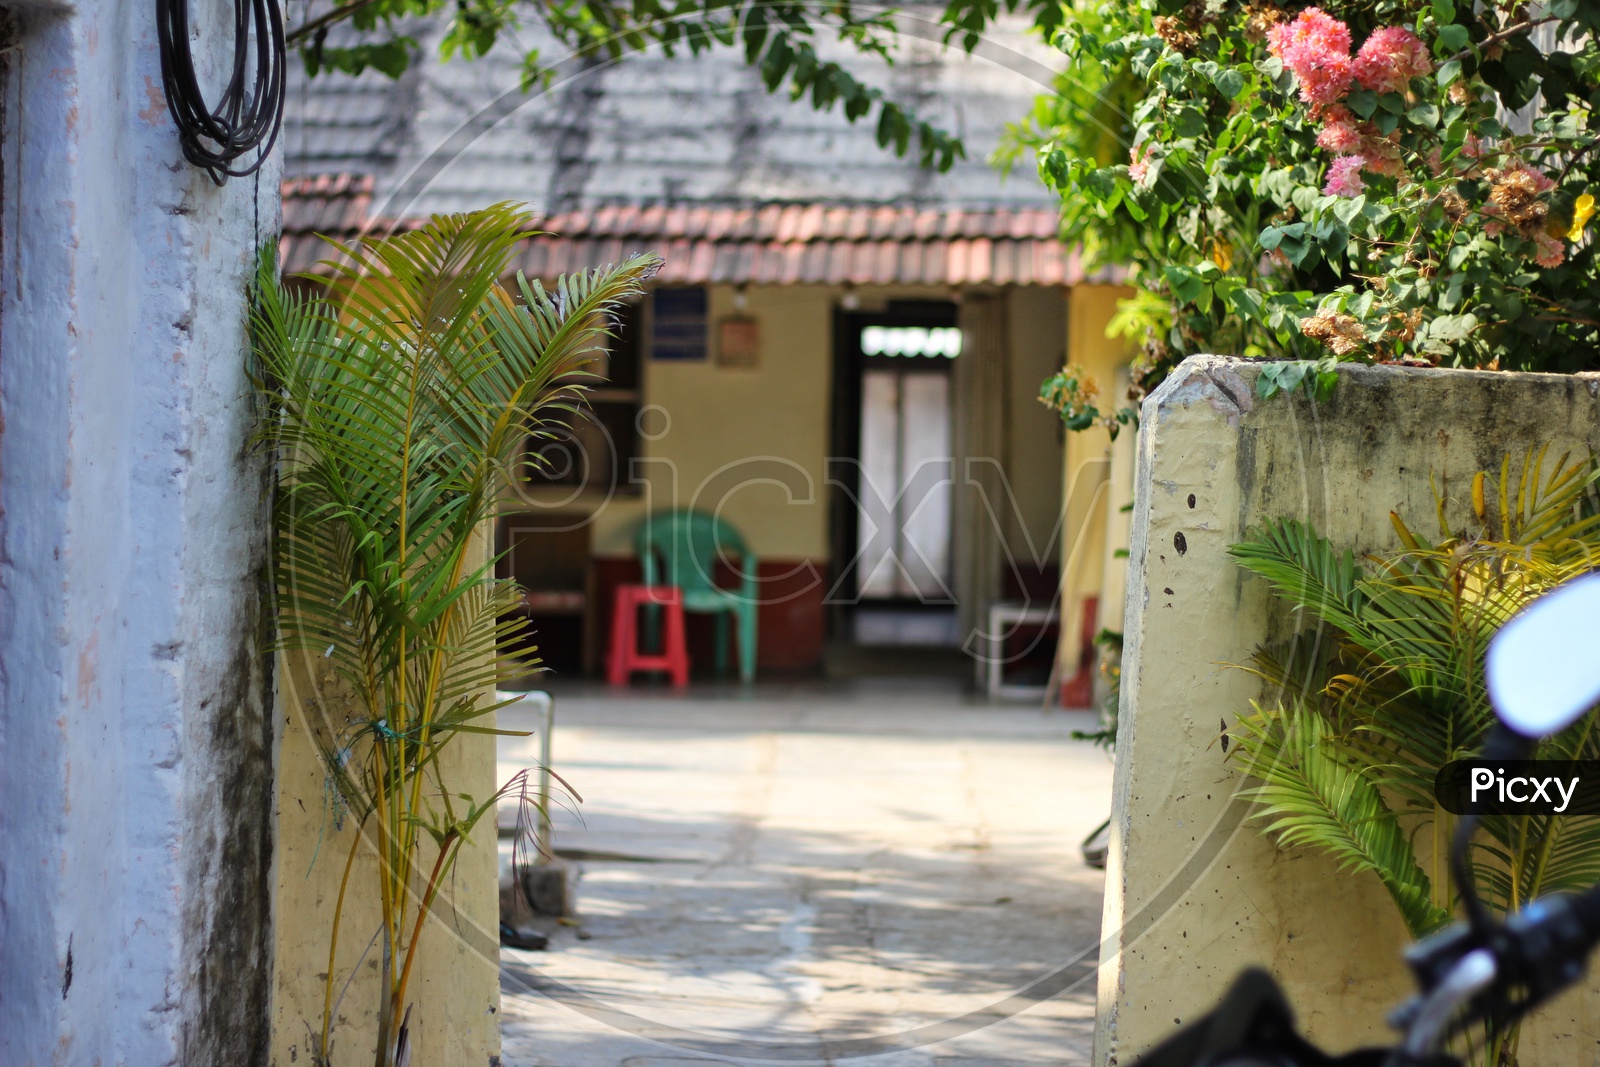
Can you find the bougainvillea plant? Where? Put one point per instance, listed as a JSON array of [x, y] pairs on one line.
[[1374, 180]]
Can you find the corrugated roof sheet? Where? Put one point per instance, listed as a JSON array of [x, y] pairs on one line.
[[772, 244]]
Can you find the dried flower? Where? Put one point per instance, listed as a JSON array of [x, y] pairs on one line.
[[1515, 196], [1389, 59], [1403, 327], [1316, 47], [1460, 93], [1344, 177], [1383, 158], [1176, 33], [1260, 18], [1339, 333], [1454, 205]]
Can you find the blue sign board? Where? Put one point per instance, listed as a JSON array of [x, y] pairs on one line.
[[678, 324]]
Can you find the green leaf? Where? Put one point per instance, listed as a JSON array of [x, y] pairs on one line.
[[1424, 115], [1345, 209], [395, 415], [1454, 38], [1334, 241], [1363, 102], [1267, 380], [1188, 122], [1247, 303], [1186, 286], [1229, 82], [1452, 329], [893, 129], [1291, 375], [1273, 236]]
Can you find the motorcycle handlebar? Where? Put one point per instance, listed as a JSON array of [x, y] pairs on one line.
[[1536, 953]]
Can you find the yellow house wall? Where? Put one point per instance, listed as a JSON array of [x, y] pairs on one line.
[[1087, 467], [754, 442], [1194, 892], [748, 444]]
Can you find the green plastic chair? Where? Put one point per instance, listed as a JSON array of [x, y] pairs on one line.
[[681, 548]]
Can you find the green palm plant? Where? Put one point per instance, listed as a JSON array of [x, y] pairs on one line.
[[1365, 705], [396, 402]]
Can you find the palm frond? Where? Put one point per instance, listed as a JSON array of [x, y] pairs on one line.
[[1311, 796], [1304, 569]]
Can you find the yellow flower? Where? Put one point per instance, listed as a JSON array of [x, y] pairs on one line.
[[1582, 212], [1222, 252]]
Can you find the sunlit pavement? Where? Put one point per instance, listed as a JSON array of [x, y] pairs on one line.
[[882, 869]]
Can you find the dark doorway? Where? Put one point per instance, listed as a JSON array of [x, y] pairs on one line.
[[890, 512]]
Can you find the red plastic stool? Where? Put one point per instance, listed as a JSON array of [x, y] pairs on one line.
[[625, 655]]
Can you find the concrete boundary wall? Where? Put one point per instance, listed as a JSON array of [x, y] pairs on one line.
[[1193, 893], [135, 729]]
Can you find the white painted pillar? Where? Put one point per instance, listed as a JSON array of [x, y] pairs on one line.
[[135, 752]]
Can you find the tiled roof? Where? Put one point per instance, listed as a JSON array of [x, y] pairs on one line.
[[772, 244], [449, 136]]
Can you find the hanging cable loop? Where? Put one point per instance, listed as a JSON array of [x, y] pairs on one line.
[[247, 117]]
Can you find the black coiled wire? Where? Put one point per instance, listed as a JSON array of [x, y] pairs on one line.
[[246, 118]]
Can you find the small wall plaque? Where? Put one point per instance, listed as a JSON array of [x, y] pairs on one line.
[[739, 343]]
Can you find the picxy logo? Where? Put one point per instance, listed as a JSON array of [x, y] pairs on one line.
[[1522, 789], [1519, 787]]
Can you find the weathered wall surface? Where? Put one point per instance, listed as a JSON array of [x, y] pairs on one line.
[[455, 984], [1192, 893], [135, 843]]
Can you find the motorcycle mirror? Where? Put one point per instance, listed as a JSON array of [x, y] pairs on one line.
[[1543, 667]]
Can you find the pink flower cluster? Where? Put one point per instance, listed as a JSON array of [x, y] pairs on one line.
[[1550, 252], [1390, 58], [1344, 177], [1315, 47], [1345, 135]]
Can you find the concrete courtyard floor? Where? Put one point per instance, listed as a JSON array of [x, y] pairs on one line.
[[881, 870]]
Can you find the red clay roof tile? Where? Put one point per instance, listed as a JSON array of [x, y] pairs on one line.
[[772, 244]]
